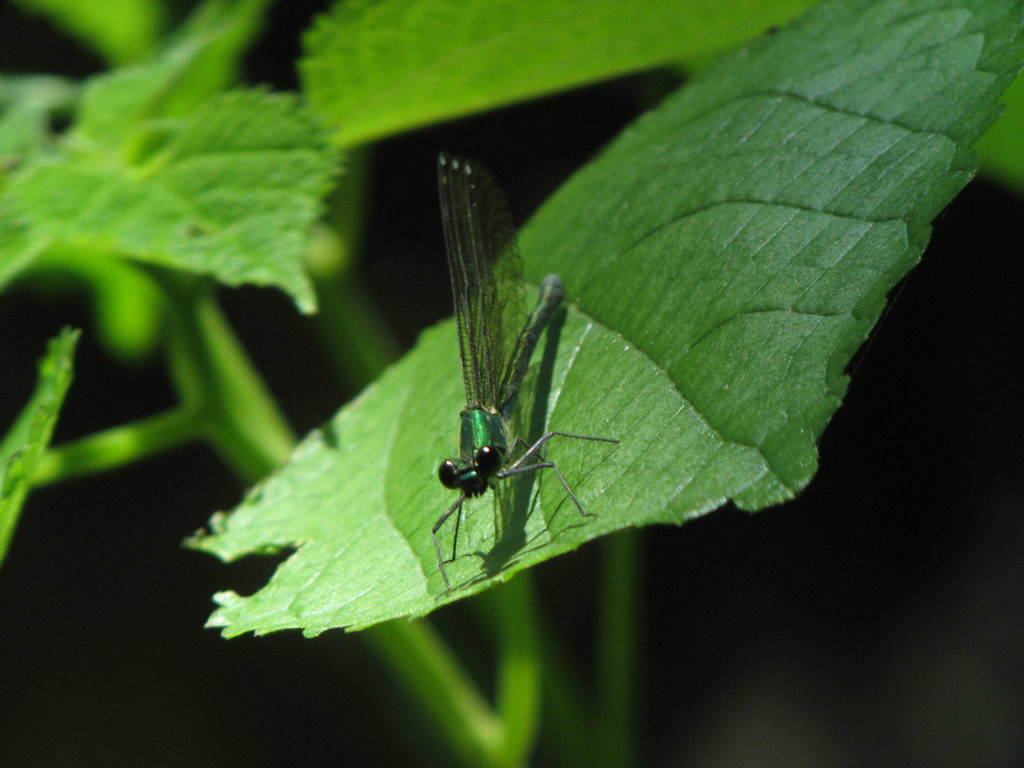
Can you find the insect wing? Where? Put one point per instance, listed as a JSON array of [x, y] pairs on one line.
[[486, 274]]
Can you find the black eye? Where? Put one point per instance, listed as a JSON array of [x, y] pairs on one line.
[[488, 460], [448, 474]]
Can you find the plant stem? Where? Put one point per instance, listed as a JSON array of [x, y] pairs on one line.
[[349, 325], [215, 378], [116, 446], [519, 667], [616, 650], [223, 400], [421, 660]]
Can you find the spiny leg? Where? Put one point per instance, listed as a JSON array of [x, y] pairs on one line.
[[517, 467], [540, 444], [437, 547], [546, 465]]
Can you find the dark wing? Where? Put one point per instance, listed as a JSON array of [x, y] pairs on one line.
[[486, 273]]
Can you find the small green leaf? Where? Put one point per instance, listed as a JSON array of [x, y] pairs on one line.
[[121, 30], [723, 261], [201, 60], [228, 28], [378, 67], [26, 105], [18, 248], [31, 432], [22, 129], [116, 106], [232, 192]]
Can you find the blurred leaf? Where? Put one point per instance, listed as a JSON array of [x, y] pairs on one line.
[[18, 248], [723, 260], [50, 91], [227, 28], [230, 192], [122, 31], [201, 60], [154, 170], [375, 68], [26, 104], [22, 131], [120, 105], [128, 306], [31, 432], [1002, 147]]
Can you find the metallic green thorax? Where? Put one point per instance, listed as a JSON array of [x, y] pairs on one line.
[[481, 427], [483, 443]]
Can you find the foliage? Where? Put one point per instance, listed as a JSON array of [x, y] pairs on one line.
[[30, 434], [724, 258]]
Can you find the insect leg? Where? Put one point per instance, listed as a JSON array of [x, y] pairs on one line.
[[540, 444], [437, 547], [514, 470]]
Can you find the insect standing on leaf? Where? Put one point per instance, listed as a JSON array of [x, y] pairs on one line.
[[487, 287]]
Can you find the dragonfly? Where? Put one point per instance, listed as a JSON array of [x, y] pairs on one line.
[[487, 288]]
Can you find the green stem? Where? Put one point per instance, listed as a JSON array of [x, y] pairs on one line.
[[349, 326], [519, 667], [357, 338], [216, 379], [223, 400], [116, 446], [432, 674], [617, 649]]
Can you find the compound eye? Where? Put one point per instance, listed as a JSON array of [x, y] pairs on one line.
[[448, 474], [488, 460]]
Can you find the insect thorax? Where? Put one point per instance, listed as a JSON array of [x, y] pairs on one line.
[[481, 427]]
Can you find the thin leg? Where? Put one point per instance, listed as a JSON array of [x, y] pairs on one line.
[[458, 522], [517, 467], [513, 470], [540, 444], [437, 547]]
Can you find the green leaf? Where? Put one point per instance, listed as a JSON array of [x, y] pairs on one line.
[[31, 432], [201, 60], [228, 28], [375, 68], [22, 130], [26, 105], [1001, 149], [723, 260], [120, 108], [122, 30], [18, 249], [231, 192]]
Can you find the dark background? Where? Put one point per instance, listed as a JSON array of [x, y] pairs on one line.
[[877, 619]]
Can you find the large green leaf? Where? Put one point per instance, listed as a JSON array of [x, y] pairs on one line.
[[375, 67], [31, 432], [723, 259]]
